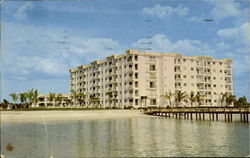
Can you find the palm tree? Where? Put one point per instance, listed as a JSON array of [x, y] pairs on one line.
[[51, 98], [58, 99], [97, 101], [241, 101], [230, 99], [180, 97], [32, 95], [223, 98], [81, 97], [74, 96], [35, 97], [192, 98], [168, 96], [14, 97], [91, 99], [23, 98], [68, 101], [198, 98]]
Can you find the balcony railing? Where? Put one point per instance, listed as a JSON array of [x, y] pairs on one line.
[[177, 79]]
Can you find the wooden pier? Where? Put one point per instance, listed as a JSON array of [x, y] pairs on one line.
[[200, 113]]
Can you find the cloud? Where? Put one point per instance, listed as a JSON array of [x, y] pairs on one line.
[[46, 53], [161, 43], [21, 13], [224, 9], [166, 11], [195, 19], [44, 65], [96, 45], [240, 35]]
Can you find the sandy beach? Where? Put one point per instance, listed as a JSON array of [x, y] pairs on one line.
[[36, 116]]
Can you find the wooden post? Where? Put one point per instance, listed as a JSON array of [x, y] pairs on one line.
[[228, 117], [217, 117], [196, 115], [213, 116], [231, 117], [225, 116], [191, 116], [203, 116], [246, 117], [209, 116], [199, 116]]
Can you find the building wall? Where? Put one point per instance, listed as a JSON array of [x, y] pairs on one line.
[[121, 80]]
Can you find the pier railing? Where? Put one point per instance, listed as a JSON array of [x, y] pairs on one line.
[[199, 112]]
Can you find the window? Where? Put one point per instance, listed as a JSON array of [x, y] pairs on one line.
[[184, 76], [136, 101], [152, 75], [152, 67], [136, 83], [192, 69], [184, 60], [136, 66], [214, 85], [215, 101], [136, 58], [152, 84], [152, 58], [220, 71], [136, 93], [192, 76], [152, 101], [214, 78], [136, 75], [185, 84], [214, 63]]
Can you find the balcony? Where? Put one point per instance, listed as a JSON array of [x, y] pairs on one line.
[[178, 87], [151, 87], [129, 88], [128, 79], [177, 71], [178, 79], [129, 96], [200, 88], [208, 96], [208, 88], [206, 72], [151, 78], [177, 62]]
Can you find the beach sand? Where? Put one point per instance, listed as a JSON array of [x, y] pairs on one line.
[[37, 116]]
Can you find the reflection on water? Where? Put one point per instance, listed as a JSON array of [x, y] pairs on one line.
[[142, 136]]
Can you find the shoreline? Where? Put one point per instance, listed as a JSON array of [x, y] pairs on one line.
[[57, 115]]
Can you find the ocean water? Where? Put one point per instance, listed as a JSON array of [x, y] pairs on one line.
[[124, 137]]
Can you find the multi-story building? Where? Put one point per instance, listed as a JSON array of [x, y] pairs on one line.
[[45, 100], [125, 80]]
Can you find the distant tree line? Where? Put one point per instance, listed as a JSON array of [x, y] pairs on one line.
[[196, 99], [25, 100]]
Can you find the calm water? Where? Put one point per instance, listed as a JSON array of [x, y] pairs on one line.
[[137, 136]]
